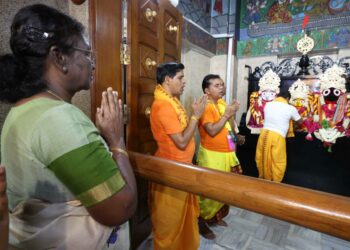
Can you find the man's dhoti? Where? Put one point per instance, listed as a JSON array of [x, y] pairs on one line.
[[271, 157]]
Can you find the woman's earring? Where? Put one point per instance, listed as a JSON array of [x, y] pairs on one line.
[[64, 69]]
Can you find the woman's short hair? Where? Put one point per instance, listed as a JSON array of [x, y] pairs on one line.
[[168, 69], [34, 30], [206, 81]]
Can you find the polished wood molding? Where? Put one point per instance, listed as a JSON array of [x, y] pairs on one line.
[[320, 211]]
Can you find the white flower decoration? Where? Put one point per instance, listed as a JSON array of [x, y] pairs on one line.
[[269, 81]]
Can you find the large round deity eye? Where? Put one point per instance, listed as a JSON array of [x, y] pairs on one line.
[[326, 92], [336, 92], [268, 95]]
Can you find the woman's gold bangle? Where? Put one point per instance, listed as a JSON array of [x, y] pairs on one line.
[[194, 118], [120, 150]]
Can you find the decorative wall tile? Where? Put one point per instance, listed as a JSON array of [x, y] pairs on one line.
[[338, 37]]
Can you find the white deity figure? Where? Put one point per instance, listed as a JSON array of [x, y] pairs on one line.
[[268, 89]]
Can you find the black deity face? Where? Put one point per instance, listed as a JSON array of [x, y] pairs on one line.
[[331, 94]]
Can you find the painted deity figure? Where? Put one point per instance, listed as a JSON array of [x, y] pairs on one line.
[[279, 12], [253, 15], [333, 107], [268, 89], [302, 99]]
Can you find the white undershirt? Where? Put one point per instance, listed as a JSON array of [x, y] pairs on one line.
[[278, 115]]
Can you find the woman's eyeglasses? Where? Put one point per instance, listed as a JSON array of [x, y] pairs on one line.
[[89, 53]]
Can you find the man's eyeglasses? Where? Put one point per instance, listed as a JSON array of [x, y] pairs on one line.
[[89, 53]]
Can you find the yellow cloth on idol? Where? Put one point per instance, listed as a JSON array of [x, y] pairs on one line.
[[222, 161], [271, 157], [174, 213]]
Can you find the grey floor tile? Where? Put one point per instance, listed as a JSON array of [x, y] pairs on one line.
[[253, 217], [305, 233], [257, 244], [235, 210], [233, 239], [272, 235], [252, 231], [301, 243], [332, 243], [206, 244], [242, 225], [272, 222]]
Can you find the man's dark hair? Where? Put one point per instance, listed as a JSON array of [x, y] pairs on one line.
[[168, 69], [34, 30], [284, 92], [206, 81]]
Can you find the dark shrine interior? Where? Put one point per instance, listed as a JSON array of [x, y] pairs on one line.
[[309, 163]]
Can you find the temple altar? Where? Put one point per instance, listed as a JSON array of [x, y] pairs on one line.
[[310, 163]]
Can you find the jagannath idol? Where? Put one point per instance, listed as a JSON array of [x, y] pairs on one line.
[[333, 108], [268, 89], [302, 99]]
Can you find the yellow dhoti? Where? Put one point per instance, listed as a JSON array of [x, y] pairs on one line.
[[222, 161], [271, 157]]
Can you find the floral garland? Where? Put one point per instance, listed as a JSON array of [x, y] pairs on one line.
[[161, 94]]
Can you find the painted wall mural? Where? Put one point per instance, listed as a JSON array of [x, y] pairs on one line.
[[270, 17], [281, 44]]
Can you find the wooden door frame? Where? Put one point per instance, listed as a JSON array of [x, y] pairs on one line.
[[108, 72]]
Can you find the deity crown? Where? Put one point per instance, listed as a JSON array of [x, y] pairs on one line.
[[332, 78], [299, 90], [269, 81]]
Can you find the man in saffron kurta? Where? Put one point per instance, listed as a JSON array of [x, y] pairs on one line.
[[174, 213], [217, 149], [271, 157]]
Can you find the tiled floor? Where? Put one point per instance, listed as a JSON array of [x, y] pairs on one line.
[[252, 231]]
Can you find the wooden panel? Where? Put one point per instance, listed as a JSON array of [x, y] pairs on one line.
[[170, 50], [148, 39], [149, 16], [169, 58], [171, 28], [146, 85], [145, 102], [106, 43], [320, 211], [146, 136], [171, 39], [148, 61]]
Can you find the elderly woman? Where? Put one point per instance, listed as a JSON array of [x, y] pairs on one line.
[[70, 184]]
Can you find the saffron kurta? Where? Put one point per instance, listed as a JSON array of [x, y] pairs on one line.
[[174, 213]]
